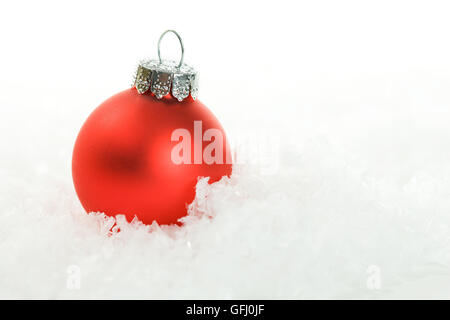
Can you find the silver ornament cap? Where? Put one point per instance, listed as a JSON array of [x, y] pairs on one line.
[[162, 77]]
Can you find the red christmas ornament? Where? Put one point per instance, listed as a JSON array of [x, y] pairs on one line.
[[141, 152]]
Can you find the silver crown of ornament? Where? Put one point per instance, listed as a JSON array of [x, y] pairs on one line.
[[162, 77]]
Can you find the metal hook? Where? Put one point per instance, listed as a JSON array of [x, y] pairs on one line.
[[181, 43]]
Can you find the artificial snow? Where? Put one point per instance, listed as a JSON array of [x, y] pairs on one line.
[[349, 198]]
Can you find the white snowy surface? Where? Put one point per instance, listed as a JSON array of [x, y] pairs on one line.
[[346, 166]]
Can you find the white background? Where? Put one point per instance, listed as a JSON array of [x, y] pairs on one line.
[[354, 94]]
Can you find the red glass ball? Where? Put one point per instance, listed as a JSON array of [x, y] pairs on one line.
[[122, 160]]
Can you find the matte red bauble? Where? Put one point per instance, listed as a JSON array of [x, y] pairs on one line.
[[123, 156]]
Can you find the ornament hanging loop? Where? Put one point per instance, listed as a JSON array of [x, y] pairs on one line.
[[163, 77], [181, 44]]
